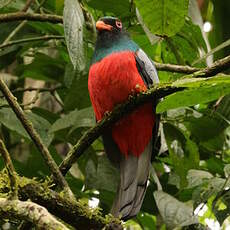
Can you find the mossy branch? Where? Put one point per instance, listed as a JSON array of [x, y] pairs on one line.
[[153, 94], [75, 213]]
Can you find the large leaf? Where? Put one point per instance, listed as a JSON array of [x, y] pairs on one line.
[[200, 91], [43, 67], [210, 187], [102, 176], [77, 95], [73, 28], [117, 7], [183, 152], [76, 118], [163, 17], [41, 125], [9, 119], [196, 177], [174, 212]]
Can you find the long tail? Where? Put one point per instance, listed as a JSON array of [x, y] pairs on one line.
[[134, 172]]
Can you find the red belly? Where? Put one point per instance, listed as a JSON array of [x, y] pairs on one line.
[[110, 82]]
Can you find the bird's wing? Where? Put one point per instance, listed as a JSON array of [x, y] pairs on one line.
[[148, 72], [146, 68]]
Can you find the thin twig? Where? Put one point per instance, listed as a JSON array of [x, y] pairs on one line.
[[214, 50], [25, 40], [40, 90], [217, 67], [29, 104], [27, 5], [14, 32], [152, 94], [20, 26], [10, 170], [58, 177], [19, 16]]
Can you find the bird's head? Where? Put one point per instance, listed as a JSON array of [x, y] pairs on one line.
[[109, 25], [111, 37], [110, 31]]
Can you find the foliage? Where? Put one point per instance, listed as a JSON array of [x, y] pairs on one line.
[[193, 166]]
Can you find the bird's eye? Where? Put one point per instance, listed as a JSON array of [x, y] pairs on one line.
[[119, 24]]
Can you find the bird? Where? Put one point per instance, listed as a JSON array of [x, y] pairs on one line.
[[118, 70]]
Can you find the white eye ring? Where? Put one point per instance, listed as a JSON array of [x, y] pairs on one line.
[[119, 24]]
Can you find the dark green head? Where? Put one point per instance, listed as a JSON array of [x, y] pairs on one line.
[[111, 37], [108, 25]]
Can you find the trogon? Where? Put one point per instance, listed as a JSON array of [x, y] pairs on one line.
[[120, 68]]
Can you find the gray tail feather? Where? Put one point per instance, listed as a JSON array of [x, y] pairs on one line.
[[134, 172]]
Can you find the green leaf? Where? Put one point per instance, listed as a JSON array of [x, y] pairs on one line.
[[183, 152], [43, 67], [199, 91], [42, 126], [76, 118], [119, 8], [77, 95], [45, 27], [73, 21], [163, 17], [208, 188], [102, 176], [9, 119], [196, 177], [147, 221], [174, 212], [69, 76]]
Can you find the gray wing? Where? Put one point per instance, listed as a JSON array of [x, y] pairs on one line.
[[148, 72], [146, 68]]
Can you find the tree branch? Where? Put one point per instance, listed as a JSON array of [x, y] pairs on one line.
[[58, 177], [10, 170], [19, 16], [75, 213], [40, 90], [175, 68], [153, 94], [20, 41], [29, 211], [217, 67]]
